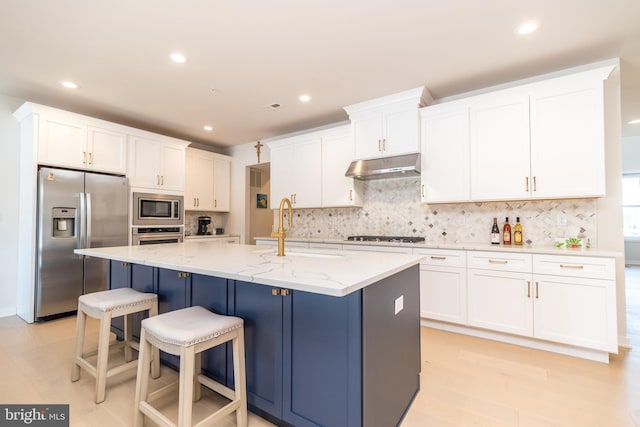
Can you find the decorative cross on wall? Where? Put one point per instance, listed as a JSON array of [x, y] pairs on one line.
[[258, 146]]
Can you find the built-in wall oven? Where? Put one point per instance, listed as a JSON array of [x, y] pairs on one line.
[[156, 235], [157, 210]]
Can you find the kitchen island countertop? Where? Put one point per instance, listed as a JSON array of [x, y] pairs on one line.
[[327, 272]]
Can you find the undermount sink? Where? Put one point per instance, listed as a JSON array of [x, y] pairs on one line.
[[303, 254]]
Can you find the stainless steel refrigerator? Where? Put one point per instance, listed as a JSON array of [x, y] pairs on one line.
[[75, 210]]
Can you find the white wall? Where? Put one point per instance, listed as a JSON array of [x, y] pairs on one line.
[[631, 154], [9, 177], [243, 155]]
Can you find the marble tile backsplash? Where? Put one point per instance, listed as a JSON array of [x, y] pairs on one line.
[[191, 221], [393, 207]]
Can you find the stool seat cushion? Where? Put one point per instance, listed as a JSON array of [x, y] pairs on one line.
[[189, 326], [115, 299]]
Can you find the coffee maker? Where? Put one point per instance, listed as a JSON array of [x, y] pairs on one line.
[[204, 225]]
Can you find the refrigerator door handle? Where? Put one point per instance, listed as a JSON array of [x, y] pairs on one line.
[[80, 224], [87, 218]]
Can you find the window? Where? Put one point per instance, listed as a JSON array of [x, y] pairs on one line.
[[631, 205]]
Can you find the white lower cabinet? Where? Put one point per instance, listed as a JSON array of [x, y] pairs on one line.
[[500, 301], [443, 285], [520, 297]]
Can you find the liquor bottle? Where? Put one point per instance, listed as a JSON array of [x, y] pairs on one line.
[[506, 232], [517, 232], [495, 232]]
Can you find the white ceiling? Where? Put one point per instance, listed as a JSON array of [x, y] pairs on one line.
[[246, 54]]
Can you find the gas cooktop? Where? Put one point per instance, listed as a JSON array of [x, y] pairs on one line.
[[395, 239]]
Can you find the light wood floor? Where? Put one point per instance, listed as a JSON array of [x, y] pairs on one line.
[[465, 381]]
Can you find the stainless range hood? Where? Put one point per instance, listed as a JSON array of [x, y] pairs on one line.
[[406, 165]]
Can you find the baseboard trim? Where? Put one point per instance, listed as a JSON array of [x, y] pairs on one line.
[[583, 353], [7, 311]]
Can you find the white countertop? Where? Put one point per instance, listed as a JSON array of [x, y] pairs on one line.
[[469, 246], [327, 272]]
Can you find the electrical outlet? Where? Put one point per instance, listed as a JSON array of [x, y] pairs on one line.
[[399, 304]]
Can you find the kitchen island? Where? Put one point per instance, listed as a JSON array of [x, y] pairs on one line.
[[332, 337]]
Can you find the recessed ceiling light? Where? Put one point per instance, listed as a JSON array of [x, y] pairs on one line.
[[178, 57], [68, 84], [208, 128], [527, 27], [304, 98], [634, 122]]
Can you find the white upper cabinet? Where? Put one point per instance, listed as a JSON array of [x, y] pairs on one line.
[[67, 140], [310, 170], [208, 180], [338, 149], [387, 126], [542, 140], [221, 183], [445, 153], [499, 146], [157, 164], [567, 136], [296, 171]]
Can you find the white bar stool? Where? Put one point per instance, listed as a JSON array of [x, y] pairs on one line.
[[106, 305], [187, 333]]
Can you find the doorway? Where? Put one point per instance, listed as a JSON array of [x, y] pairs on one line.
[[258, 213]]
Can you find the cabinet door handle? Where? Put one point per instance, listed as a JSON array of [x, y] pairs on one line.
[[379, 145], [534, 184], [84, 157], [198, 199], [158, 180], [384, 144], [350, 195], [124, 264], [498, 261], [537, 286], [526, 184], [162, 179], [578, 267], [442, 258], [422, 191], [275, 292], [90, 158], [215, 203], [284, 292], [528, 289]]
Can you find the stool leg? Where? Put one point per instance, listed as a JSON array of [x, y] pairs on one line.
[[155, 359], [239, 376], [128, 337], [185, 401], [103, 356], [81, 323], [196, 383], [142, 381]]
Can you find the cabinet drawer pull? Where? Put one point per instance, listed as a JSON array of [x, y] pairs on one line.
[[275, 292], [498, 261], [537, 286], [439, 257], [578, 267]]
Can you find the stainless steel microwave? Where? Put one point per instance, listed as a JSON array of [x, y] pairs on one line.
[[157, 209]]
